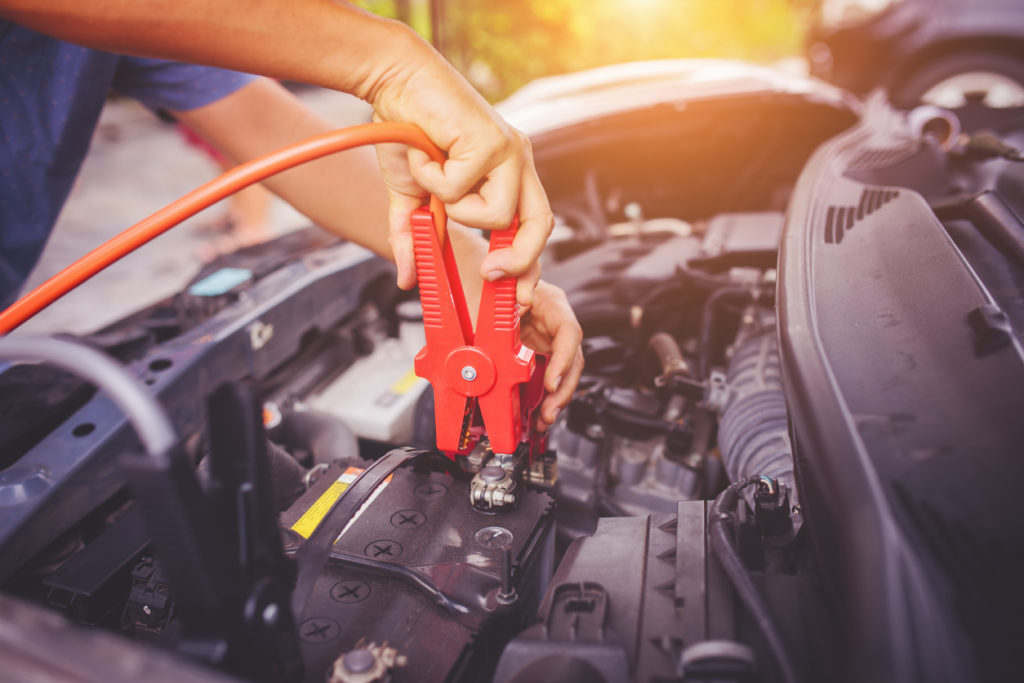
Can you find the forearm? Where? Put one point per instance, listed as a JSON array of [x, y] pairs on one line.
[[343, 193], [488, 173], [326, 43]]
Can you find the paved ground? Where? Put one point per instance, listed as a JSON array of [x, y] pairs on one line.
[[136, 166]]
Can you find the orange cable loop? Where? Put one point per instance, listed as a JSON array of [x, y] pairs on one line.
[[205, 195]]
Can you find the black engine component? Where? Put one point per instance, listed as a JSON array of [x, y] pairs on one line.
[[906, 431], [632, 619]]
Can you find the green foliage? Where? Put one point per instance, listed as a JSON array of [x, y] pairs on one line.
[[502, 44], [418, 12]]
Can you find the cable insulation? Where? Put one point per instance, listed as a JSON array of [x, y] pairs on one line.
[[210, 193], [721, 514], [149, 419]]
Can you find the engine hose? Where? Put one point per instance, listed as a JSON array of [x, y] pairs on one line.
[[142, 410], [669, 355], [325, 436], [195, 201], [606, 504], [721, 514], [702, 279], [707, 322], [753, 434]]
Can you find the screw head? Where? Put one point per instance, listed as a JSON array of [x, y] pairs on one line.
[[492, 473], [469, 373], [359, 661], [495, 537]]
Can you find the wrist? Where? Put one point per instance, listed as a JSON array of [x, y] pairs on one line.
[[390, 53]]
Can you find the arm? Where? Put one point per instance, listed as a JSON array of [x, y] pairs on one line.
[[489, 171], [346, 194]]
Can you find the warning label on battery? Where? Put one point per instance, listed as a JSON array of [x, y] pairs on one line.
[[406, 383], [312, 517]]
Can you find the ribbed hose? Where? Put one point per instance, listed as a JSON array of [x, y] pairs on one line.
[[753, 434]]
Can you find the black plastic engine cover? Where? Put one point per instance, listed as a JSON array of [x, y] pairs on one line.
[[905, 418], [417, 538], [625, 603]]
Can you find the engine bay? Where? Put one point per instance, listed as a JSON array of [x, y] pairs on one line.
[[674, 530]]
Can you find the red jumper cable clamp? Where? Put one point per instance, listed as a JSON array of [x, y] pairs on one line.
[[485, 382]]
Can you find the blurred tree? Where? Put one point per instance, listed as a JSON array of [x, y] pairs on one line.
[[502, 44], [416, 13]]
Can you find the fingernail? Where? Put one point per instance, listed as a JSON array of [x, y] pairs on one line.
[[495, 275], [554, 414], [557, 383]]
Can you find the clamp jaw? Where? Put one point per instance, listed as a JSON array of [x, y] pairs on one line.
[[487, 385]]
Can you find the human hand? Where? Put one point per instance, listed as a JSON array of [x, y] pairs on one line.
[[488, 175], [549, 326]]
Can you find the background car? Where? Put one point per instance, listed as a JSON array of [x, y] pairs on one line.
[[922, 51]]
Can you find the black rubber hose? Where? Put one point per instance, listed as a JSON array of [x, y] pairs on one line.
[[707, 322], [703, 279], [721, 514], [287, 477], [605, 503]]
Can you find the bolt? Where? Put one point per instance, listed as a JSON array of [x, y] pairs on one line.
[[359, 661], [492, 473], [469, 373], [494, 537], [146, 609], [693, 461], [507, 593], [595, 431]]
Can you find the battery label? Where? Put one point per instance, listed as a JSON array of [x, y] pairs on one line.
[[407, 382], [312, 517]]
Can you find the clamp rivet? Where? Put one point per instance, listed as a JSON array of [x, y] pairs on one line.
[[469, 373]]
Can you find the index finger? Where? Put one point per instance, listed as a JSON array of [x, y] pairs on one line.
[[535, 224]]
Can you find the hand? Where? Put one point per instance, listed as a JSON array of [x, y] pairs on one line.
[[550, 327], [488, 176]]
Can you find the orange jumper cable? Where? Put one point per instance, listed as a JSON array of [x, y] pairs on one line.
[[237, 178]]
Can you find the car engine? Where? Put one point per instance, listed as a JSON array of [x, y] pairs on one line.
[[707, 508]]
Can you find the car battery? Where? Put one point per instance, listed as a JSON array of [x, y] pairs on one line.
[[377, 395], [414, 582]]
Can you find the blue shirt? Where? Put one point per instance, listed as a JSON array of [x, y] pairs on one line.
[[51, 95]]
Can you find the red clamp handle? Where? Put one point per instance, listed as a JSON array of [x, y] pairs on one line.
[[470, 370]]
